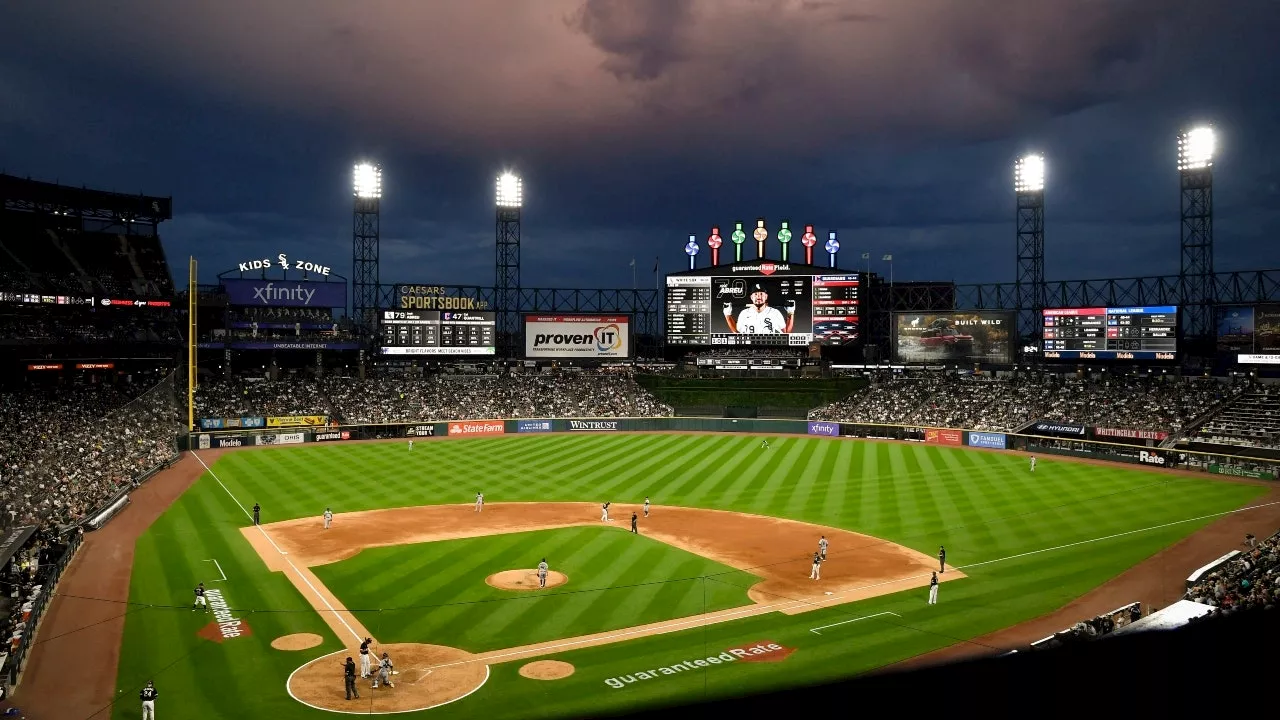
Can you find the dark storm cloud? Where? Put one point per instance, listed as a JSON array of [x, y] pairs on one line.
[[636, 123]]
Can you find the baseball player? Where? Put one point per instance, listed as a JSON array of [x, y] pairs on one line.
[[349, 677], [384, 672], [604, 513], [822, 546], [1033, 463], [942, 559], [148, 697], [410, 446], [200, 601], [817, 562], [542, 573], [633, 524], [758, 318], [364, 658], [328, 518], [933, 589], [646, 506], [764, 443], [257, 510], [479, 501]]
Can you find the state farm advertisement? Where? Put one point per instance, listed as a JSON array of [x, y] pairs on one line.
[[474, 428], [944, 436], [581, 337]]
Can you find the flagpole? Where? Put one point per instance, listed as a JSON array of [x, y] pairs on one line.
[[633, 273]]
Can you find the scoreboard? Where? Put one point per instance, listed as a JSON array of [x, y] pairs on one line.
[[767, 305], [1124, 333], [419, 332]]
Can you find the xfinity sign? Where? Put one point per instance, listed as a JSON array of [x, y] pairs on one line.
[[278, 293], [577, 336]]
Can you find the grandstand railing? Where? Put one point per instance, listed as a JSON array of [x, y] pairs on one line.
[[1220, 463], [18, 655]]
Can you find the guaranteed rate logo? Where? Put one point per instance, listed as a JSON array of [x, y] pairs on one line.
[[763, 651], [225, 625]]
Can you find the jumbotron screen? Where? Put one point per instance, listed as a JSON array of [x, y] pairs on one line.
[[981, 336], [762, 304], [1124, 333], [426, 332]]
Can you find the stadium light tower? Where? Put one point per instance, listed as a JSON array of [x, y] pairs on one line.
[[1196, 148], [509, 198], [1029, 288], [365, 236]]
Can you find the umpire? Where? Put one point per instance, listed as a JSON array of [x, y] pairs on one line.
[[257, 510], [349, 676]]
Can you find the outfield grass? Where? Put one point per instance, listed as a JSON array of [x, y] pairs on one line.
[[984, 506]]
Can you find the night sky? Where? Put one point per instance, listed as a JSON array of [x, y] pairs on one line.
[[637, 122]]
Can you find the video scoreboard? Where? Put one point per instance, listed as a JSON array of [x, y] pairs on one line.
[[1124, 333], [425, 332]]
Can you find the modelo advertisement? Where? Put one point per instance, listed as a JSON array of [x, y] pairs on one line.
[[204, 441], [280, 293], [996, 441], [581, 337], [829, 429], [980, 336], [533, 426]]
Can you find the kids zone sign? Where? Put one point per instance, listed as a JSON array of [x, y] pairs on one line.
[[763, 651]]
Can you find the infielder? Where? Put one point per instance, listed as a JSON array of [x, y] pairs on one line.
[[364, 658], [200, 601], [384, 672], [328, 518], [479, 501], [646, 506], [148, 697], [1033, 463], [634, 529], [542, 573], [942, 559], [822, 546], [817, 562], [604, 513], [933, 589]]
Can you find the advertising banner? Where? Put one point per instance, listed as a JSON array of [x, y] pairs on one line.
[[280, 293], [1056, 429], [1101, 432], [296, 420], [421, 431], [1240, 471], [824, 428], [230, 423], [333, 435], [202, 441], [577, 336], [973, 336], [594, 425], [211, 423], [282, 438], [943, 436], [533, 426], [477, 427], [1152, 457], [228, 442], [253, 422], [988, 440]]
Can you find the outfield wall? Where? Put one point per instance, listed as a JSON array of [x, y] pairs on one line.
[[1215, 463]]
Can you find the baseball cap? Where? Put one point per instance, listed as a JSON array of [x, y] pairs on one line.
[[757, 288]]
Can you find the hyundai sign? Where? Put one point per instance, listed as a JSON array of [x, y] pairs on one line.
[[987, 440], [282, 293], [824, 428]]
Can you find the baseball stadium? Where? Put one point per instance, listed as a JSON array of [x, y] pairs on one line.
[[774, 479]]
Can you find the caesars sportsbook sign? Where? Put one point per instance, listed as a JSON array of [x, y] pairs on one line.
[[577, 336]]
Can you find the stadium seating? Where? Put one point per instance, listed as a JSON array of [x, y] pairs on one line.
[[1250, 419], [1251, 580]]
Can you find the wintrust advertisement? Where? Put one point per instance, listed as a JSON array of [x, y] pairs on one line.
[[997, 441], [475, 428], [594, 425], [824, 428], [577, 336], [943, 436]]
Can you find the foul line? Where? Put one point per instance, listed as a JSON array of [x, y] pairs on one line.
[[220, 572], [846, 622], [283, 554]]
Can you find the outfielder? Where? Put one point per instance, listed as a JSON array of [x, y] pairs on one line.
[[542, 573], [764, 443], [604, 513], [822, 546], [328, 518], [364, 658], [817, 562], [646, 506], [148, 697], [479, 501], [933, 589], [200, 601], [384, 672], [410, 446], [1033, 463]]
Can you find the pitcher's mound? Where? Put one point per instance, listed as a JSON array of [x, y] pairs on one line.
[[547, 670], [524, 579], [420, 681], [297, 641]]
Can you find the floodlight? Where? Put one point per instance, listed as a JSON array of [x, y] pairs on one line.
[[510, 191], [1196, 148], [368, 181], [1028, 174]]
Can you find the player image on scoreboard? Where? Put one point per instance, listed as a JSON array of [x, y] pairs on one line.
[[761, 306]]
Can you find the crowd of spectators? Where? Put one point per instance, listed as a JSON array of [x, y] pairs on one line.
[[1005, 404], [1250, 580], [1093, 628], [436, 396], [21, 325]]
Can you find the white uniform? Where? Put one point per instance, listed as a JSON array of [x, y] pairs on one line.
[[604, 513], [542, 574], [328, 518], [479, 501], [410, 444], [822, 547], [755, 322], [646, 507], [933, 591], [1033, 464], [817, 563]]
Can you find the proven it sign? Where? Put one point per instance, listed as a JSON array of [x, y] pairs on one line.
[[759, 652], [577, 336]]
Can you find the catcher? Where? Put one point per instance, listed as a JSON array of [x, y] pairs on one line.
[[384, 672]]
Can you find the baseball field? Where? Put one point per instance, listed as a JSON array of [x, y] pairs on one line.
[[712, 595]]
